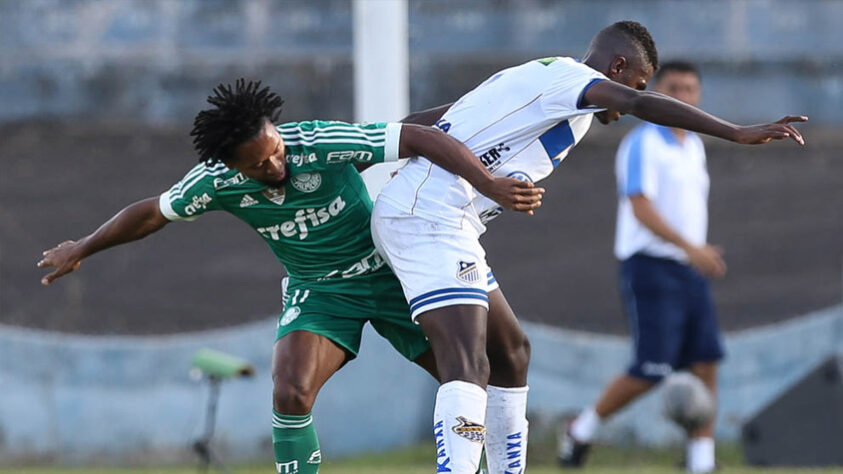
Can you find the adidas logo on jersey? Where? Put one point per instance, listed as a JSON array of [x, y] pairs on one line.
[[248, 201]]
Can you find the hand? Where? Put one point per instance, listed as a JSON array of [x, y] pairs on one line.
[[708, 260], [758, 134], [65, 257], [514, 194]]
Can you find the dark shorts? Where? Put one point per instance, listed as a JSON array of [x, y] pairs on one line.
[[671, 316]]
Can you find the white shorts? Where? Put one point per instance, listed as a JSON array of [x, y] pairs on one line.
[[438, 265]]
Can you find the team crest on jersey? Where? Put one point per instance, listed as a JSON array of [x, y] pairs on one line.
[[470, 430], [307, 182], [521, 176], [468, 272], [290, 315], [276, 195]]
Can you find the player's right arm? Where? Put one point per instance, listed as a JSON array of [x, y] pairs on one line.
[[663, 110], [705, 258], [132, 223]]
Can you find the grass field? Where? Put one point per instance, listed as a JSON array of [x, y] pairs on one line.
[[604, 460]]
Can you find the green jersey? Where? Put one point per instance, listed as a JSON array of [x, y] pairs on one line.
[[317, 223]]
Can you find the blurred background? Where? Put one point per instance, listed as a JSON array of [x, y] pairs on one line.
[[96, 101]]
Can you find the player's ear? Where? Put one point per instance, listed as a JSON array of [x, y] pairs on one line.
[[618, 66]]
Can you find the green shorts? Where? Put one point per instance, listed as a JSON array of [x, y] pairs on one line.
[[339, 312]]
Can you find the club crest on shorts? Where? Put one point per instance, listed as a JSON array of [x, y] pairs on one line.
[[307, 182], [290, 315], [276, 195], [468, 272], [470, 430]]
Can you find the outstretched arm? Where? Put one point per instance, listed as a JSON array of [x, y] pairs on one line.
[[664, 110], [448, 153], [132, 223], [427, 117]]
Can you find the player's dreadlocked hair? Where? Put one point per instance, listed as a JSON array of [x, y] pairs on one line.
[[237, 116], [639, 34]]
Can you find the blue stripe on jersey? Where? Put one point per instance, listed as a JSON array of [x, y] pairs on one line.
[[444, 291], [585, 89], [556, 140], [454, 296], [634, 165]]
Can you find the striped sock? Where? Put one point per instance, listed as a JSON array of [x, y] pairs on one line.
[[295, 444]]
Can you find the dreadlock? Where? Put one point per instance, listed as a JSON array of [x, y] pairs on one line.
[[639, 34], [237, 116]]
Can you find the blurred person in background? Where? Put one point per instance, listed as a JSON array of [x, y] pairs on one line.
[[665, 264]]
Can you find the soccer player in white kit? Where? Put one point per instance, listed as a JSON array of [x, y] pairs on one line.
[[521, 123]]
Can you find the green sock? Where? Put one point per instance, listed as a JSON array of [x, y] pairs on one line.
[[295, 443]]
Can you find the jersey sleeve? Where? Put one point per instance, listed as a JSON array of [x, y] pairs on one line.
[[193, 195], [563, 96], [341, 142], [637, 170]]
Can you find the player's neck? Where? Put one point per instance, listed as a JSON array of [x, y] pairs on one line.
[[679, 133]]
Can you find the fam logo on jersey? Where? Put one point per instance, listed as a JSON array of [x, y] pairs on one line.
[[315, 457], [470, 430], [348, 155], [289, 467], [248, 201], [220, 183], [442, 458], [276, 195], [290, 315], [491, 159], [468, 272], [307, 182], [198, 202]]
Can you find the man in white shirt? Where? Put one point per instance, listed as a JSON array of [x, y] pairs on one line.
[[521, 123], [665, 259]]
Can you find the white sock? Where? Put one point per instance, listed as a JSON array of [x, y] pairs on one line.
[[700, 455], [584, 427], [507, 426], [459, 427]]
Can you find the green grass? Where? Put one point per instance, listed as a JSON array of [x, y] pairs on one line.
[[418, 460]]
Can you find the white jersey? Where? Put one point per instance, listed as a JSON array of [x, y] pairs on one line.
[[521, 123], [651, 161]]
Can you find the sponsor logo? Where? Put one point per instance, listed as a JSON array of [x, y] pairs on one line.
[[198, 202], [300, 160], [290, 315], [276, 195], [348, 155], [289, 467], [442, 458], [491, 159], [220, 183], [521, 176], [248, 201], [467, 272], [315, 457], [367, 264], [307, 182], [656, 369], [305, 220], [513, 453], [470, 430]]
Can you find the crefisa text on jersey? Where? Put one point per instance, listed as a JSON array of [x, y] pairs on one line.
[[304, 220]]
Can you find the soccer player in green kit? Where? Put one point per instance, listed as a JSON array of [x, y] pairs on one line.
[[296, 185]]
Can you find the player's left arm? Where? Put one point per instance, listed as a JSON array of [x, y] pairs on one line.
[[450, 154], [664, 110]]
